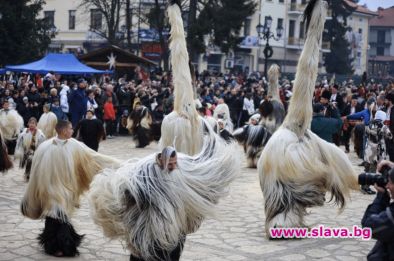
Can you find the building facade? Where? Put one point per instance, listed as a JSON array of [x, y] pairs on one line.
[[75, 30], [357, 36], [381, 41]]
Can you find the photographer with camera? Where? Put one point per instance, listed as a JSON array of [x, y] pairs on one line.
[[379, 215]]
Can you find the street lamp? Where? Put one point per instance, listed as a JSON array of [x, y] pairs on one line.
[[53, 31], [264, 33]]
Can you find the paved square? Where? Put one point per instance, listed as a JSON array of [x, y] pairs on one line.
[[236, 234]]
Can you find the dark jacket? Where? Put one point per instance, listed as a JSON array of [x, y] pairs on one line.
[[379, 216], [347, 109], [325, 127]]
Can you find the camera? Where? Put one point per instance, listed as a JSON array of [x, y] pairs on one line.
[[371, 178]]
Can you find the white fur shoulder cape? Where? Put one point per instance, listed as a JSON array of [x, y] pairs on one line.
[[61, 172]]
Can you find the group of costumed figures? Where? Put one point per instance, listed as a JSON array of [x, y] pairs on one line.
[[153, 203]]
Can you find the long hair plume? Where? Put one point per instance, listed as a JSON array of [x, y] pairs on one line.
[[299, 114], [273, 78], [183, 89], [271, 109], [183, 125]]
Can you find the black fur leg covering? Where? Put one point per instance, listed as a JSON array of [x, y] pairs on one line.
[[163, 255], [59, 238]]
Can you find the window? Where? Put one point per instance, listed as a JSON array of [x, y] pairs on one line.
[[303, 2], [291, 28], [95, 19], [247, 26], [380, 50], [49, 17], [302, 33], [281, 1], [280, 23], [381, 36], [71, 19], [360, 31]]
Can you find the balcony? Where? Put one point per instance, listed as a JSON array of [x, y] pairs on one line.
[[295, 43], [296, 9], [375, 42]]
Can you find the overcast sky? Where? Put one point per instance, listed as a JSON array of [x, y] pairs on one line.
[[374, 4]]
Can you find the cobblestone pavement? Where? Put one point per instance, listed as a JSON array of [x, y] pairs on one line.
[[237, 234]]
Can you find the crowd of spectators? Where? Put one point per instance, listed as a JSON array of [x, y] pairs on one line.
[[113, 99]]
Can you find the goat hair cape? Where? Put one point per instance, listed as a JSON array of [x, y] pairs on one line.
[[151, 208]]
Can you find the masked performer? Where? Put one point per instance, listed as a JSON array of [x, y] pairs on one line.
[[155, 202], [61, 172], [11, 124], [139, 125], [222, 112], [47, 122], [5, 161], [183, 123], [28, 142], [271, 109], [253, 138], [296, 167]]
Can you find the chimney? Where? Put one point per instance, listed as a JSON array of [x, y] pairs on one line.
[[380, 12]]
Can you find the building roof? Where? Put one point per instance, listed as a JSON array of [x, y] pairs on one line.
[[99, 58], [382, 58], [385, 18], [361, 9]]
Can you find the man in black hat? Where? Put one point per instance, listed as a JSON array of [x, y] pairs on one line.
[[331, 108], [336, 99]]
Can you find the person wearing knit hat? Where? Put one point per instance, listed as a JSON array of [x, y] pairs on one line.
[[254, 119]]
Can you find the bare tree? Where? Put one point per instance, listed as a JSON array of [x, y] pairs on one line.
[[110, 9]]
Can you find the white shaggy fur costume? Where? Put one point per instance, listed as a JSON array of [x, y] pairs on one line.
[[223, 112], [271, 120], [5, 161], [47, 124], [183, 123], [153, 209], [296, 167], [11, 124], [253, 138], [23, 150], [61, 172]]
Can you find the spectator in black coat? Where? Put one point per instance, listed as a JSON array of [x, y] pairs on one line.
[[90, 130], [379, 216]]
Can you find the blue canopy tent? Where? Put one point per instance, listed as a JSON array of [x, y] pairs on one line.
[[65, 64], [2, 71]]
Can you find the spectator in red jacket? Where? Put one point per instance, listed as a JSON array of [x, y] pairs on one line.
[[109, 117]]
